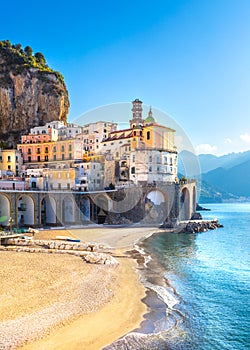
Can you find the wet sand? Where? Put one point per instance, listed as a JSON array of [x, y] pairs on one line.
[[109, 297]]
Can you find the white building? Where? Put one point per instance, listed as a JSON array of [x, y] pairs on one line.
[[91, 175], [94, 133], [70, 131]]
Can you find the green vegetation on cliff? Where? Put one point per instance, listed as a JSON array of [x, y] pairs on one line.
[[20, 59]]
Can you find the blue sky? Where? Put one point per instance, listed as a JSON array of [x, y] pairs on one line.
[[190, 59]]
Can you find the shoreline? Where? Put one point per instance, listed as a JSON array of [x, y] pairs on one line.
[[98, 329]]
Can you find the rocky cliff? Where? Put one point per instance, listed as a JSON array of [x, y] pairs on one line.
[[31, 94]]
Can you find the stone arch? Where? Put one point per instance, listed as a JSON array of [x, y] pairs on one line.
[[100, 208], [25, 210], [156, 206], [185, 204], [5, 210], [85, 208], [156, 196], [68, 209], [48, 210]]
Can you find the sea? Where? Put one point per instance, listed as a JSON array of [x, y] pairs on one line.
[[198, 286]]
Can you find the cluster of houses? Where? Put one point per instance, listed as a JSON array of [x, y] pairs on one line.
[[92, 157]]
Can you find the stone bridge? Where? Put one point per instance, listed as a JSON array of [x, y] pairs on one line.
[[146, 204]]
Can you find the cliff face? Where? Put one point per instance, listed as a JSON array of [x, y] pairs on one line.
[[31, 94]]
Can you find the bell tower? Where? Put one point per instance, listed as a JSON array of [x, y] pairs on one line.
[[137, 120]]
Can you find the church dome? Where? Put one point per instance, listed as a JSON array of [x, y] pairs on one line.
[[150, 119]]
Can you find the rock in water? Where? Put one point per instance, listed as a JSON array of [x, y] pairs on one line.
[[31, 93]]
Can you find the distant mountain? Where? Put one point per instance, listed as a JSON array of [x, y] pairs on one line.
[[235, 180], [191, 164], [223, 178], [212, 194], [210, 162]]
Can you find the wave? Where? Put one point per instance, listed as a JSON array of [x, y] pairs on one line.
[[161, 322]]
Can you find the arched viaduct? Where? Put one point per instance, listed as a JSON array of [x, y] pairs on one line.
[[146, 204]]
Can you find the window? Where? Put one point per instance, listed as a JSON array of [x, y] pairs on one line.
[[29, 159], [68, 186], [150, 158], [16, 158], [133, 158], [54, 149], [38, 151], [9, 167], [62, 156], [46, 149], [133, 170], [38, 158], [9, 158], [62, 148], [150, 169], [59, 186], [46, 158], [70, 155], [33, 184], [148, 135], [70, 147], [54, 157]]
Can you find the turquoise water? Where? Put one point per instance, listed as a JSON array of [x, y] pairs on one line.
[[198, 287], [211, 275]]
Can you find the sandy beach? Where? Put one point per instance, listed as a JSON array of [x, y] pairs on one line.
[[52, 301]]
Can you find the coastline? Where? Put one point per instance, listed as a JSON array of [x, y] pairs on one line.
[[119, 315]]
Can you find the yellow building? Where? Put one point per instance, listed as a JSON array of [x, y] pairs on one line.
[[60, 179], [10, 162], [137, 148], [47, 153]]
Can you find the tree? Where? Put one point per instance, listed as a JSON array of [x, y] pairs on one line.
[[7, 43], [28, 50], [18, 47], [40, 58]]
